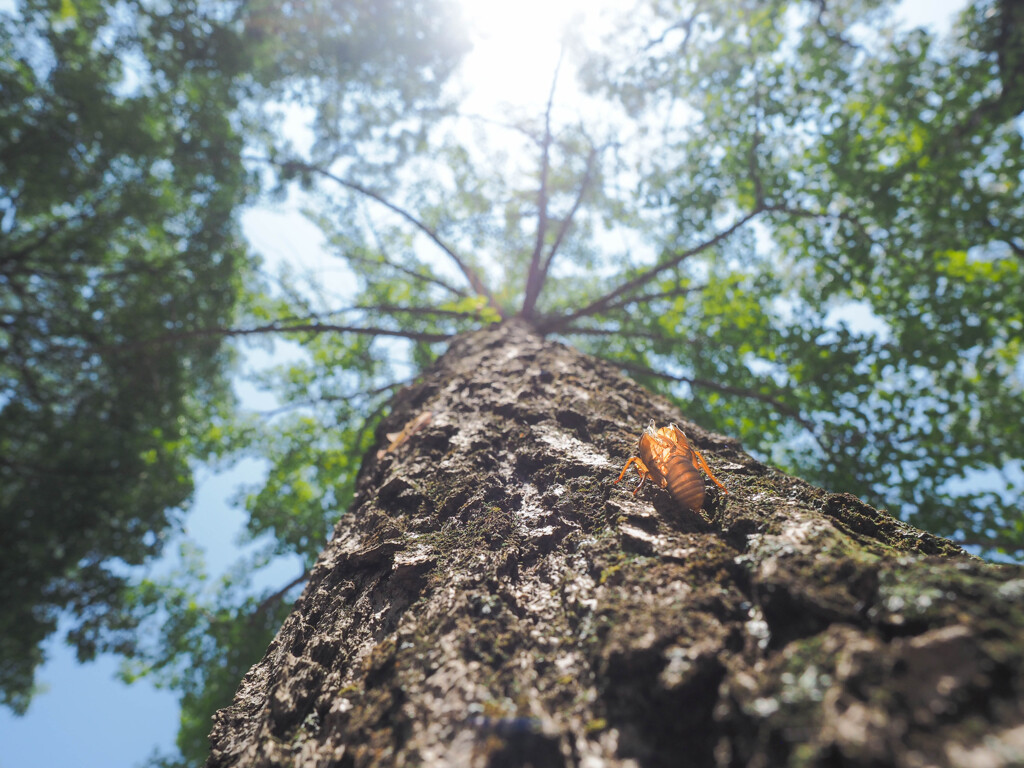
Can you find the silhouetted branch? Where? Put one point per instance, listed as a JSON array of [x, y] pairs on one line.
[[468, 272], [534, 278], [649, 297], [409, 272], [989, 544], [563, 228], [313, 327], [436, 311], [728, 389], [829, 31], [806, 213], [554, 324], [347, 397], [322, 328], [514, 127], [378, 309], [755, 171], [19, 254], [618, 332], [1015, 247], [276, 597], [684, 24]]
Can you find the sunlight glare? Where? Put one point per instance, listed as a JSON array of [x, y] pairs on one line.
[[516, 46]]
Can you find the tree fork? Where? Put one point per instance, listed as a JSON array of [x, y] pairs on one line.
[[493, 600]]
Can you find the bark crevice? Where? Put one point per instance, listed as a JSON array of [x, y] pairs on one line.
[[492, 599]]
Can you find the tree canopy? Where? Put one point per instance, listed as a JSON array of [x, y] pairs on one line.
[[121, 174], [799, 220], [118, 187]]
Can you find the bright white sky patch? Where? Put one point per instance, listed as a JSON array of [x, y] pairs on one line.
[[516, 46], [936, 14]]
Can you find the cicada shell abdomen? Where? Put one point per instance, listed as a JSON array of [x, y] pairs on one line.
[[685, 482]]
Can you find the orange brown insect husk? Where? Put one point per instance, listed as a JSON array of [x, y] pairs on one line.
[[413, 426], [667, 458]]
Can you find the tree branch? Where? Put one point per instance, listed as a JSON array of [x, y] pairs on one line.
[[554, 324], [777, 405], [619, 332], [426, 278], [755, 171], [410, 272], [394, 308], [829, 31], [1007, 238], [378, 309], [649, 297], [514, 127], [313, 327], [533, 277], [276, 597], [348, 397], [804, 213], [19, 254], [563, 228], [986, 543], [321, 328], [468, 272], [684, 24]]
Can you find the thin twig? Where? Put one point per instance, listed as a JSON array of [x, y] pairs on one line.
[[393, 308], [649, 297], [322, 328], [374, 415], [472, 116], [533, 278], [313, 327], [410, 272], [1016, 248], [269, 600], [986, 543], [619, 332], [563, 228], [468, 272], [728, 389], [427, 278], [332, 399], [686, 24], [379, 309], [755, 171], [831, 32], [554, 324]]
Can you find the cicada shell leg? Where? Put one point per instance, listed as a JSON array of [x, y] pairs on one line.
[[641, 469], [698, 461]]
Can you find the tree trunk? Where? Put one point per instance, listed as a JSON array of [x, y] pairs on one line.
[[493, 599]]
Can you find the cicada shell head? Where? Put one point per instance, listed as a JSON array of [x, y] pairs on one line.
[[652, 450], [678, 436]]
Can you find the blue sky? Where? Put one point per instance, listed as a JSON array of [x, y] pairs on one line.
[[86, 717]]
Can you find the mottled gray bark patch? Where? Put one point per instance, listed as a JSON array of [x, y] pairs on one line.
[[492, 599]]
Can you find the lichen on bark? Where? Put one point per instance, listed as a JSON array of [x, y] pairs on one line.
[[492, 599]]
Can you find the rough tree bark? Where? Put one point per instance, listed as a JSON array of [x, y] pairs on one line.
[[492, 599]]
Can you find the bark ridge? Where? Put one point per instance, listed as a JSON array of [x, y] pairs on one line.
[[493, 600]]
